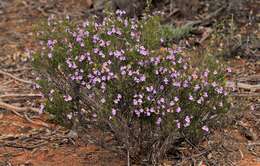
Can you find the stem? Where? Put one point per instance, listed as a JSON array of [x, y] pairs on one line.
[[128, 157]]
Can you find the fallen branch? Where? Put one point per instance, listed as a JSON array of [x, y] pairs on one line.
[[252, 88], [20, 69], [254, 144], [35, 122], [15, 78], [16, 111], [250, 78], [207, 18], [252, 94], [27, 147], [12, 108], [8, 96]]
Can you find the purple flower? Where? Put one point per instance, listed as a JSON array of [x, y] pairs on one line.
[[191, 98], [143, 51], [69, 116], [137, 113], [159, 120], [178, 125], [176, 99], [162, 100], [206, 73], [82, 58], [187, 121], [135, 102], [109, 33], [67, 98], [199, 101], [205, 128], [214, 84], [161, 87], [172, 103], [113, 111], [205, 94], [178, 110], [120, 12], [229, 70], [41, 110], [50, 55], [103, 100], [149, 89], [252, 108], [197, 87]]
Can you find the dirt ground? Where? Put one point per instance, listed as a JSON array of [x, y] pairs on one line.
[[25, 139]]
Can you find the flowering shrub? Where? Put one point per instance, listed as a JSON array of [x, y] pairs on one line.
[[114, 75]]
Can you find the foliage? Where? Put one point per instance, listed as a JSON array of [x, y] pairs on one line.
[[114, 75], [170, 33]]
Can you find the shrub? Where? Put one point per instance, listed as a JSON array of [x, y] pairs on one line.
[[114, 75]]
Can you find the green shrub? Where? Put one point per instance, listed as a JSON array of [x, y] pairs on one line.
[[114, 75]]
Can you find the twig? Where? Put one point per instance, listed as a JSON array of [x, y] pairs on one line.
[[8, 96], [10, 108], [209, 17], [20, 69], [250, 78], [254, 144], [252, 88], [246, 94], [15, 78], [15, 145], [16, 109], [241, 154], [35, 122]]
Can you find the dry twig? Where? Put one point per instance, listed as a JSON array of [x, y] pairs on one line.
[[15, 78], [9, 96], [252, 88], [12, 108], [35, 122], [16, 111]]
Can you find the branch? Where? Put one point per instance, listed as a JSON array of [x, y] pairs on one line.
[[16, 109], [252, 88], [15, 78], [8, 96]]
